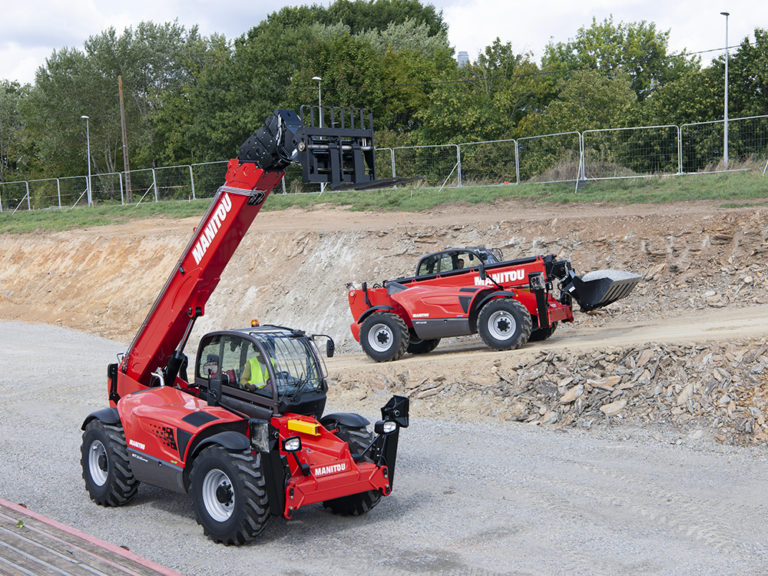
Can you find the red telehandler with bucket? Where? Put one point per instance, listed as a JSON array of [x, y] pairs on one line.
[[460, 291]]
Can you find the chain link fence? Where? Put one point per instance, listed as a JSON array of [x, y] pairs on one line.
[[632, 152]]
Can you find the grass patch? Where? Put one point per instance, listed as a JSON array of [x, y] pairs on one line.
[[736, 189]]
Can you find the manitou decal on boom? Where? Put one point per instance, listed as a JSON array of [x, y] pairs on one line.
[[214, 225]]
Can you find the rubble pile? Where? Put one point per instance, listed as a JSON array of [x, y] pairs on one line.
[[719, 388]]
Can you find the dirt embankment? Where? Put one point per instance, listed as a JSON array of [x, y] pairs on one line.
[[699, 262]]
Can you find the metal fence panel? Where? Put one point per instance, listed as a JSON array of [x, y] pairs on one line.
[[596, 154], [550, 158], [207, 177], [703, 145], [13, 196], [435, 165], [488, 163], [630, 152]]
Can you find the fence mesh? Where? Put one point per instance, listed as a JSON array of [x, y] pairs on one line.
[[434, 165], [703, 145], [630, 152], [550, 158], [488, 163], [601, 154]]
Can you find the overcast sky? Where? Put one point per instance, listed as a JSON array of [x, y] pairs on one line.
[[31, 30]]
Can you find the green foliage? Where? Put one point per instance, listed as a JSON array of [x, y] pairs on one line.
[[636, 50], [748, 76], [11, 128], [192, 99]]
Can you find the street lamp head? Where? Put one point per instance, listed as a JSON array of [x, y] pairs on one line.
[[725, 13], [83, 117], [316, 78]]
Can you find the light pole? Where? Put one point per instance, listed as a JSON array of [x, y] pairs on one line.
[[319, 97], [88, 152], [320, 108], [725, 131]]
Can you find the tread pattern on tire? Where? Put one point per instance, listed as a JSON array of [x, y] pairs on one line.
[[123, 485], [354, 504], [541, 334], [526, 324], [399, 325], [417, 346], [255, 515]]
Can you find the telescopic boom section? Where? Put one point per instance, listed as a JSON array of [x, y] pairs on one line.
[[199, 269], [338, 155]]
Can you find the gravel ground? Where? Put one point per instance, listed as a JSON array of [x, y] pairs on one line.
[[468, 498]]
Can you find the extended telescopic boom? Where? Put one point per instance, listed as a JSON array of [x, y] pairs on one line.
[[335, 155]]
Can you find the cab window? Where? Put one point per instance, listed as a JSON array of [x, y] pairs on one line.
[[428, 265]]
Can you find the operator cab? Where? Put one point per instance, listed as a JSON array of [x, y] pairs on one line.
[[264, 370], [457, 259]]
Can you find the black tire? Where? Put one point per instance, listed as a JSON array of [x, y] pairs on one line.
[[504, 324], [106, 468], [355, 504], [384, 336], [417, 346], [230, 495], [541, 334]]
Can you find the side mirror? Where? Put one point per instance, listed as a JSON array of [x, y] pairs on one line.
[[481, 271], [214, 389], [330, 348]]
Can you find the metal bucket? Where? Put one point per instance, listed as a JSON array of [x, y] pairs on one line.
[[602, 287]]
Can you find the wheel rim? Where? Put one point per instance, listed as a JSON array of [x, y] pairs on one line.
[[218, 495], [502, 325], [98, 463], [380, 337]]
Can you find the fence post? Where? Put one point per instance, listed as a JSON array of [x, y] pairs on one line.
[[192, 181], [29, 205], [517, 163], [120, 179], [679, 151], [154, 184], [58, 192], [458, 164]]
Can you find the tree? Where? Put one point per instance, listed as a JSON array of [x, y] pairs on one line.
[[747, 76], [11, 127], [362, 15], [635, 49]]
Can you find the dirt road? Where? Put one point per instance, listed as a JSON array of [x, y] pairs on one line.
[[608, 449], [469, 498]]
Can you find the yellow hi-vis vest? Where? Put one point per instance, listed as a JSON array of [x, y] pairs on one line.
[[259, 373]]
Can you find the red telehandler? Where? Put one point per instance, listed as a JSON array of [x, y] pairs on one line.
[[460, 291], [245, 435]]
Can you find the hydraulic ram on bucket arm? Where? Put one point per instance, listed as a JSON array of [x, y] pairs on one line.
[[245, 435]]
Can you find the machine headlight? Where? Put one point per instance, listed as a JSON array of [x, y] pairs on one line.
[[385, 427], [259, 434], [292, 444]]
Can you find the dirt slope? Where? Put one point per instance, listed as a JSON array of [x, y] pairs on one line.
[[293, 266], [705, 276]]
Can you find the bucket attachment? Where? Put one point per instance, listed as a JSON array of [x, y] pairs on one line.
[[601, 287]]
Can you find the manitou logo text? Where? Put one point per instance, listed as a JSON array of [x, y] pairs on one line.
[[135, 444], [332, 469], [214, 224], [502, 278]]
